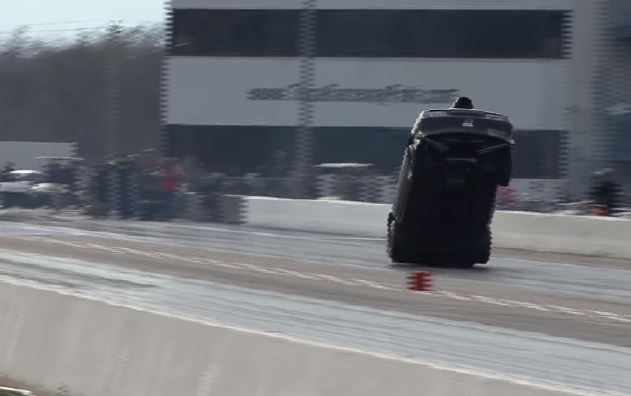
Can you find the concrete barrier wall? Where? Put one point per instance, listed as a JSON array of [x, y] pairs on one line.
[[85, 347], [343, 217], [595, 236], [592, 236]]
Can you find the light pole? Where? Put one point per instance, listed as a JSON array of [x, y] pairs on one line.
[[112, 113], [301, 178], [112, 116]]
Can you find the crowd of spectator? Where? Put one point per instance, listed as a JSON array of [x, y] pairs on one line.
[[150, 188]]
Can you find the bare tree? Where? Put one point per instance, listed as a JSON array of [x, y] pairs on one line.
[[57, 92]]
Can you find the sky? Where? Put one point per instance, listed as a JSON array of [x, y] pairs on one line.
[[48, 18]]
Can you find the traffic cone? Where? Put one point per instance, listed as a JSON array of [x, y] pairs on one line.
[[420, 281]]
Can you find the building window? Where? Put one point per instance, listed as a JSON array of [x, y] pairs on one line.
[[440, 34], [373, 33], [235, 32], [539, 154]]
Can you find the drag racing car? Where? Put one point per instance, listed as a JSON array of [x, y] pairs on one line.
[[453, 163]]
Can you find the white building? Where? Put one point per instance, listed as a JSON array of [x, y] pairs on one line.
[[369, 66]]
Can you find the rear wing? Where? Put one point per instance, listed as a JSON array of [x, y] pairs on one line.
[[477, 122]]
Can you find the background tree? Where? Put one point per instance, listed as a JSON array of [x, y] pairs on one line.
[[58, 91]]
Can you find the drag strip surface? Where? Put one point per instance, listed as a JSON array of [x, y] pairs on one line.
[[554, 322]]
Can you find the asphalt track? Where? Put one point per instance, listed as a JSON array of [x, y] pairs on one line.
[[550, 319]]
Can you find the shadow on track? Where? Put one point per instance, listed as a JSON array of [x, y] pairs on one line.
[[441, 268]]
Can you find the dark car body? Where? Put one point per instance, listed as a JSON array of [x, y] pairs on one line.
[[453, 163]]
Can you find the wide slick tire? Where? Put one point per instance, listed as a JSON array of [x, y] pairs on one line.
[[398, 246], [477, 250], [482, 246]]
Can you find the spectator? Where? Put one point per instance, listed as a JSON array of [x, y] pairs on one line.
[[605, 192], [507, 197], [170, 176]]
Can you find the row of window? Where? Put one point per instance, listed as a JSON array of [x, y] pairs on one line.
[[537, 154], [371, 33]]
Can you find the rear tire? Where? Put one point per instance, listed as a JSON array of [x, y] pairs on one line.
[[481, 246], [398, 248], [476, 250]]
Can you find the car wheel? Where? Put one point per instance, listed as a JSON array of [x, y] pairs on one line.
[[481, 246], [397, 245]]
